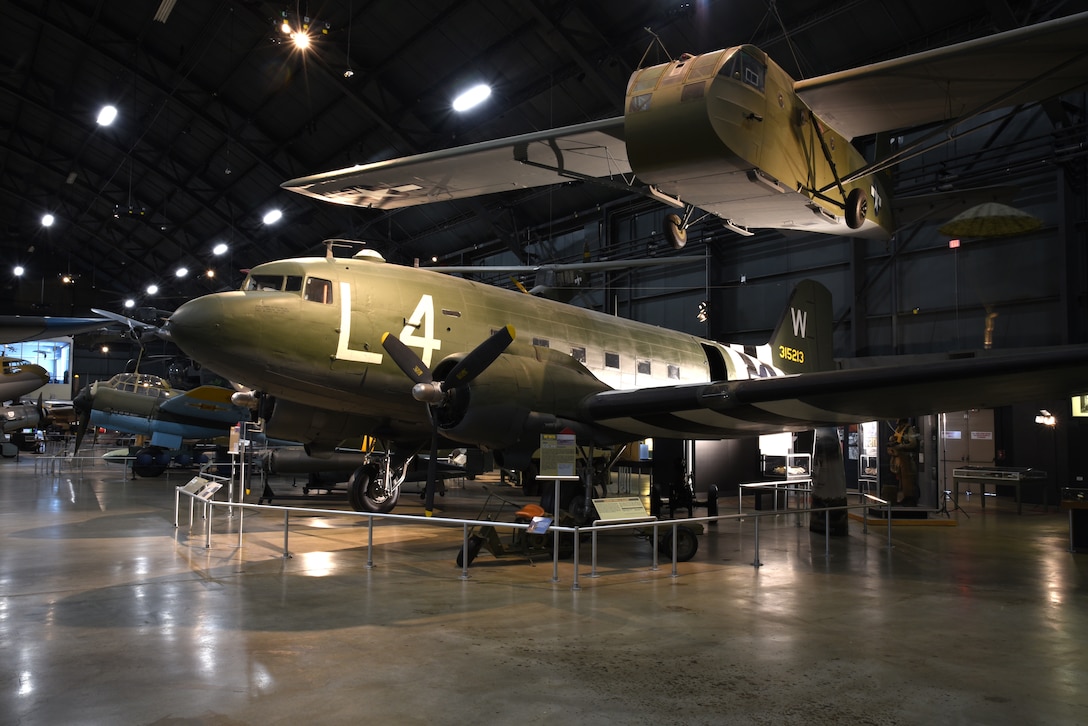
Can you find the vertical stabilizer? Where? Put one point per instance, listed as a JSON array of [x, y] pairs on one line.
[[801, 342]]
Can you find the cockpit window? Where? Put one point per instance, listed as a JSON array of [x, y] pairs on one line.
[[318, 290], [263, 282], [294, 283], [746, 69]]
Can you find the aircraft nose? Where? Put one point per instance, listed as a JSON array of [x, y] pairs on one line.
[[40, 373], [196, 323]]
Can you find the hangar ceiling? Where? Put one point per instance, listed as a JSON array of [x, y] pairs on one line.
[[216, 110]]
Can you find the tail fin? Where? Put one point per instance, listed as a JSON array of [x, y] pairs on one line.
[[801, 343]]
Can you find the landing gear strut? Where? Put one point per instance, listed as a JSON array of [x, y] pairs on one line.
[[373, 486]]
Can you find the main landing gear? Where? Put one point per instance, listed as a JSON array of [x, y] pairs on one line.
[[375, 486]]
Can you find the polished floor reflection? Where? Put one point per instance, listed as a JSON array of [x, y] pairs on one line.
[[110, 615]]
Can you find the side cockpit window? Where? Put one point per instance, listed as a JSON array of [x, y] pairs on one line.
[[318, 290], [746, 69], [264, 283]]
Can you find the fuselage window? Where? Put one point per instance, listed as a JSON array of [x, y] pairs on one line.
[[644, 367], [541, 342], [674, 372], [318, 290], [611, 360], [578, 354], [294, 283]]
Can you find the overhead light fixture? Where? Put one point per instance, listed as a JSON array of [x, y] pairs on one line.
[[105, 349], [1045, 418], [19, 270], [301, 40], [67, 278], [48, 219], [472, 98], [210, 274], [152, 289], [129, 304], [182, 271], [220, 249], [107, 115], [272, 216]]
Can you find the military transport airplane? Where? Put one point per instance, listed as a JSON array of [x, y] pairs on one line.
[[729, 132], [341, 348], [18, 378]]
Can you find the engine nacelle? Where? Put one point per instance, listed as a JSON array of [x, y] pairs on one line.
[[494, 410]]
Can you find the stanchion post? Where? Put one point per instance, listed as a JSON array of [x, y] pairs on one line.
[[756, 562], [370, 542], [464, 551], [286, 520], [574, 584]]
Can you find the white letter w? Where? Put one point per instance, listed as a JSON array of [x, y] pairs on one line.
[[800, 321]]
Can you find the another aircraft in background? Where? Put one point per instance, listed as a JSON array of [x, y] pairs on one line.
[[729, 132], [146, 405], [18, 378], [22, 328], [340, 348]]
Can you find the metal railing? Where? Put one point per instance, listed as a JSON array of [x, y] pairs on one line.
[[210, 504]]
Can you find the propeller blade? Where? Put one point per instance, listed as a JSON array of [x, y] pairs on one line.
[[432, 470], [479, 358], [43, 420], [83, 403], [405, 359]]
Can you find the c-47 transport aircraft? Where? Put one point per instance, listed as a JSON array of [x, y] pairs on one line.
[[341, 348]]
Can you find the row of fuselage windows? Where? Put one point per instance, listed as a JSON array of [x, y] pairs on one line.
[[319, 290], [612, 360]]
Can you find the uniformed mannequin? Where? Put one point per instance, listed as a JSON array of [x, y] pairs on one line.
[[903, 450]]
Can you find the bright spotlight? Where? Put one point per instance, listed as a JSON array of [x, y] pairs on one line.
[[48, 219], [129, 304], [220, 249], [301, 40], [472, 97], [210, 274], [182, 271], [272, 216], [19, 270], [107, 115], [152, 289]]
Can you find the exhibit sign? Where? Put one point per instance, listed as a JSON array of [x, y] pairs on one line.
[[558, 454]]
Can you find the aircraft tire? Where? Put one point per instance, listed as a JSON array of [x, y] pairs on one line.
[[148, 463], [675, 232], [365, 495], [857, 207], [687, 544], [530, 486], [475, 544]]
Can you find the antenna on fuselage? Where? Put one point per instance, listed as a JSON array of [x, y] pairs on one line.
[[340, 242]]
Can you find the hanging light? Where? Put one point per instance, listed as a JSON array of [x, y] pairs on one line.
[[106, 115], [48, 219], [272, 216], [472, 97]]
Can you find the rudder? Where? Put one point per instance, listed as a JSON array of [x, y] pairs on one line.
[[801, 342]]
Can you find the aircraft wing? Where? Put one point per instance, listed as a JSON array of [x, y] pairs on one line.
[[211, 403], [924, 385], [21, 328], [590, 150], [1019, 66], [569, 267]]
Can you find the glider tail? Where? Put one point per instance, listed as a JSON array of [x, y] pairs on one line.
[[801, 342]]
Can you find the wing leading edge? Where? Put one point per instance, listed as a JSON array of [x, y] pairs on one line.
[[591, 150], [920, 385]]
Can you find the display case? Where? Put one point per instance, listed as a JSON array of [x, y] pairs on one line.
[[791, 467], [868, 474]]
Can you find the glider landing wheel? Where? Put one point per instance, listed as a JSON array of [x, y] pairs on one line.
[[687, 544], [368, 493], [857, 207], [675, 232]]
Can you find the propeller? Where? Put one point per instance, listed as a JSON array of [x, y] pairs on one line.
[[82, 403], [437, 393]]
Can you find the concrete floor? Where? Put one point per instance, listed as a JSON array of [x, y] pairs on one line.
[[109, 615]]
